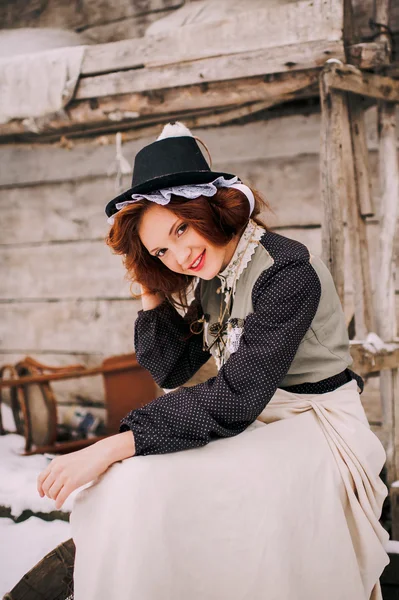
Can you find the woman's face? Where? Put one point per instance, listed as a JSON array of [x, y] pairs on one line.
[[180, 247]]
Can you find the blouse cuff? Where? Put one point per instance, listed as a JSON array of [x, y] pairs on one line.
[[138, 434]]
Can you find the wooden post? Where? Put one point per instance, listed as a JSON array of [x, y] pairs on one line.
[[385, 292], [332, 177], [359, 207], [345, 186], [389, 212], [353, 165], [381, 12]]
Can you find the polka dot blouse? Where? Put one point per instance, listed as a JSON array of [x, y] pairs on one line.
[[285, 300]]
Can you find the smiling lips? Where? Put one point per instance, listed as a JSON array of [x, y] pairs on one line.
[[198, 263]]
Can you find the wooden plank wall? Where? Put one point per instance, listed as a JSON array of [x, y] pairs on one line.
[[63, 295], [107, 21]]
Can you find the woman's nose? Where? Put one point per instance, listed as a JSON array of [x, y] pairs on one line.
[[183, 257]]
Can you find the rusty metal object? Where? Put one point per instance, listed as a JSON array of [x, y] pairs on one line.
[[127, 386]]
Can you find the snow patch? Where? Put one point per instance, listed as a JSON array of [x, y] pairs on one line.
[[18, 477], [392, 547], [373, 344], [7, 417], [23, 545]]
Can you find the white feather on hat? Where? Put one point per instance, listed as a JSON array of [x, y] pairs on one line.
[[175, 129]]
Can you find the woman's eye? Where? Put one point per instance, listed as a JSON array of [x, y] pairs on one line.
[[179, 231], [182, 229]]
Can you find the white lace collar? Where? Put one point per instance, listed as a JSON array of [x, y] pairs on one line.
[[241, 258]]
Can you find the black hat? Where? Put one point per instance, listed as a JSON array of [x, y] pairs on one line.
[[174, 159]]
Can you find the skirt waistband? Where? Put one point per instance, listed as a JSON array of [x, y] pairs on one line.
[[326, 385]]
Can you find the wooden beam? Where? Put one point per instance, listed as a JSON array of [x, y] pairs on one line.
[[368, 55], [385, 310], [280, 59], [363, 207], [366, 362], [277, 25], [356, 226], [347, 78], [389, 214], [382, 13], [332, 175], [361, 157], [136, 109]]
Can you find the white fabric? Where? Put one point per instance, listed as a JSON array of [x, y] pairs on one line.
[[230, 338], [242, 256], [287, 509], [190, 192], [34, 85]]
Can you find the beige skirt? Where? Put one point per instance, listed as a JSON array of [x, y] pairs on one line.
[[287, 509]]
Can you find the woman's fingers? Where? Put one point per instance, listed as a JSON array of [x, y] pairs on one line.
[[63, 495], [41, 479], [55, 488], [49, 481]]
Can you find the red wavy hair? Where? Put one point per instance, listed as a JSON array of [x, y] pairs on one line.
[[218, 219]]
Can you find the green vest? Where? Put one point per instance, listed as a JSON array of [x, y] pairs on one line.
[[323, 351]]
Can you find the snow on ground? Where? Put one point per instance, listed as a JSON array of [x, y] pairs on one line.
[[24, 544], [18, 478], [18, 475], [392, 547]]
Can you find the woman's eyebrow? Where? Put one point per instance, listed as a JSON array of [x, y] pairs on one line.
[[170, 232]]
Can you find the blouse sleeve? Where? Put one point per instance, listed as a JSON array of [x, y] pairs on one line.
[[165, 346], [285, 299]]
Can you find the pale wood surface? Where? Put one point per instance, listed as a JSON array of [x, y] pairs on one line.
[[359, 254], [388, 213], [361, 158], [275, 138], [88, 269], [280, 24], [105, 20], [69, 326], [172, 101], [78, 16], [332, 182], [292, 57], [365, 362], [385, 295], [349, 79], [126, 28], [282, 37]]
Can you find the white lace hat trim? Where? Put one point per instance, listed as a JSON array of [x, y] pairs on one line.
[[191, 192]]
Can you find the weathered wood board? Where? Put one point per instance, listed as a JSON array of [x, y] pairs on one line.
[[77, 15], [281, 59], [68, 326], [88, 270], [106, 21], [275, 138], [74, 210], [81, 269], [280, 24]]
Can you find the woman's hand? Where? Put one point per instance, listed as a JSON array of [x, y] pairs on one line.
[[68, 472], [149, 300]]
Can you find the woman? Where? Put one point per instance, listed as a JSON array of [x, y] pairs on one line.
[[261, 482]]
